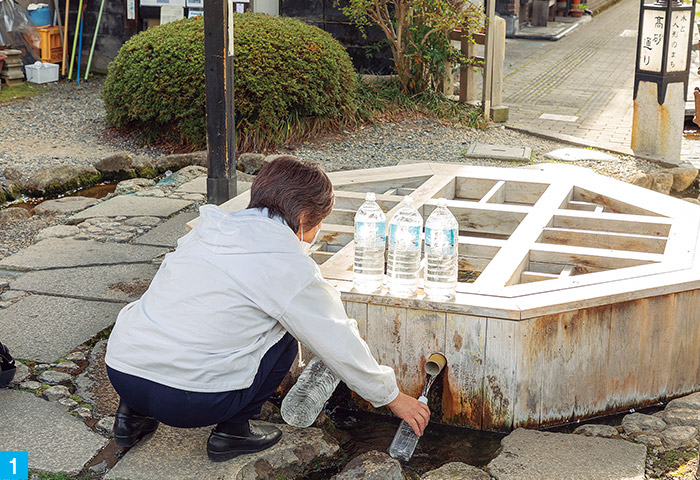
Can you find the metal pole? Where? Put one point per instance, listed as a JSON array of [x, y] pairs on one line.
[[94, 40], [221, 135], [75, 40], [65, 42]]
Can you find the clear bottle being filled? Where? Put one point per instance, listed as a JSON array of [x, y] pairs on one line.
[[404, 255], [441, 253], [370, 243], [307, 397], [404, 443]]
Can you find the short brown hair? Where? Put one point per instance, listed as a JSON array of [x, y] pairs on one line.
[[288, 187]]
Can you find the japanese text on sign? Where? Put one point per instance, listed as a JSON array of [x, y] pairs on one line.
[[679, 36], [651, 53]]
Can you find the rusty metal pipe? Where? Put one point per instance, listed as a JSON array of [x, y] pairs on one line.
[[436, 362]]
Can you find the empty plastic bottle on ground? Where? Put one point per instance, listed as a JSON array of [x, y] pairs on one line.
[[441, 237], [307, 397], [403, 259], [405, 440], [370, 242]]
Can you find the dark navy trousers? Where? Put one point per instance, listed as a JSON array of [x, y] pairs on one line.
[[185, 409]]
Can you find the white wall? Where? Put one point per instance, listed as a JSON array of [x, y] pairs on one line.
[[271, 7]]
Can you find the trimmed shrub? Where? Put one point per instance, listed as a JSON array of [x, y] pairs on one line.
[[291, 79]]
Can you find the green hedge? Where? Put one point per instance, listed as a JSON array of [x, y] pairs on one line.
[[291, 79]]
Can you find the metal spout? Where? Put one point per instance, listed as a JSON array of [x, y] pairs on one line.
[[436, 362]]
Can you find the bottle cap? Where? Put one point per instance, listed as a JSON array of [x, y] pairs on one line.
[[370, 196], [442, 202], [423, 399]]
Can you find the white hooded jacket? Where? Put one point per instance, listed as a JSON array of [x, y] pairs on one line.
[[236, 283]]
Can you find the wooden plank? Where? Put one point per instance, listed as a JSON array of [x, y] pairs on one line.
[[622, 374], [574, 349], [425, 334], [487, 86], [591, 257], [508, 258], [341, 216], [386, 329], [612, 204], [498, 57], [529, 277], [473, 188], [482, 218], [585, 206], [525, 193], [497, 194], [684, 377], [463, 379], [499, 375], [527, 391], [612, 222], [656, 322], [598, 239]]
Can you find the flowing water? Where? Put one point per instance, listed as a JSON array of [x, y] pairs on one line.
[[97, 191]]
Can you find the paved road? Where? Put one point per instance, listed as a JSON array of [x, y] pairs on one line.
[[587, 78]]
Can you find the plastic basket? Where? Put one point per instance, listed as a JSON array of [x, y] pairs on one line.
[[42, 72]]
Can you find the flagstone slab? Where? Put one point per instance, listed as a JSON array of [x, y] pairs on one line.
[[498, 152], [180, 454], [67, 252], [132, 206], [529, 454], [45, 328], [168, 233], [198, 185], [578, 155], [123, 283], [56, 441]]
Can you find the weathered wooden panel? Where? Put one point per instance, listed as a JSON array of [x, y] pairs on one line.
[[358, 311], [656, 325], [386, 328], [499, 375], [684, 374], [425, 334], [574, 348], [623, 354], [463, 379], [528, 359]]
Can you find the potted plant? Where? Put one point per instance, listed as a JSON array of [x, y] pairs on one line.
[[576, 10]]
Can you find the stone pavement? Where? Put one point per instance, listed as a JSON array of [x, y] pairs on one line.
[[59, 297], [580, 88]]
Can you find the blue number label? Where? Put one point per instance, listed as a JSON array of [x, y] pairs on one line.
[[14, 465]]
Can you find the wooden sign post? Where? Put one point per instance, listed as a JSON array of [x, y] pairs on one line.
[[661, 78], [221, 127]]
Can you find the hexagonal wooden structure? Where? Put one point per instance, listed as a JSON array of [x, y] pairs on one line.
[[579, 294]]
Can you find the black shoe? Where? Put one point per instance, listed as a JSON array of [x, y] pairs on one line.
[[224, 446], [130, 427]]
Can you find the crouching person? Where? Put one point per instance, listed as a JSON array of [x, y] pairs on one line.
[[217, 330]]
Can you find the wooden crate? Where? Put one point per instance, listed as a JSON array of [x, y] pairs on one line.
[[582, 297], [50, 44]]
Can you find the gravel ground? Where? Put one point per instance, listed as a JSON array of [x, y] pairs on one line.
[[430, 140], [63, 126]]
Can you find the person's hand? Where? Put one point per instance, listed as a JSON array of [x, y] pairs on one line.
[[415, 413]]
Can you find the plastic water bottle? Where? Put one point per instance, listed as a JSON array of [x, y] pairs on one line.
[[403, 260], [441, 252], [370, 243], [307, 397], [405, 440]]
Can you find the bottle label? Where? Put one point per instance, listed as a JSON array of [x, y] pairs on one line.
[[444, 237], [404, 237], [372, 234]]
